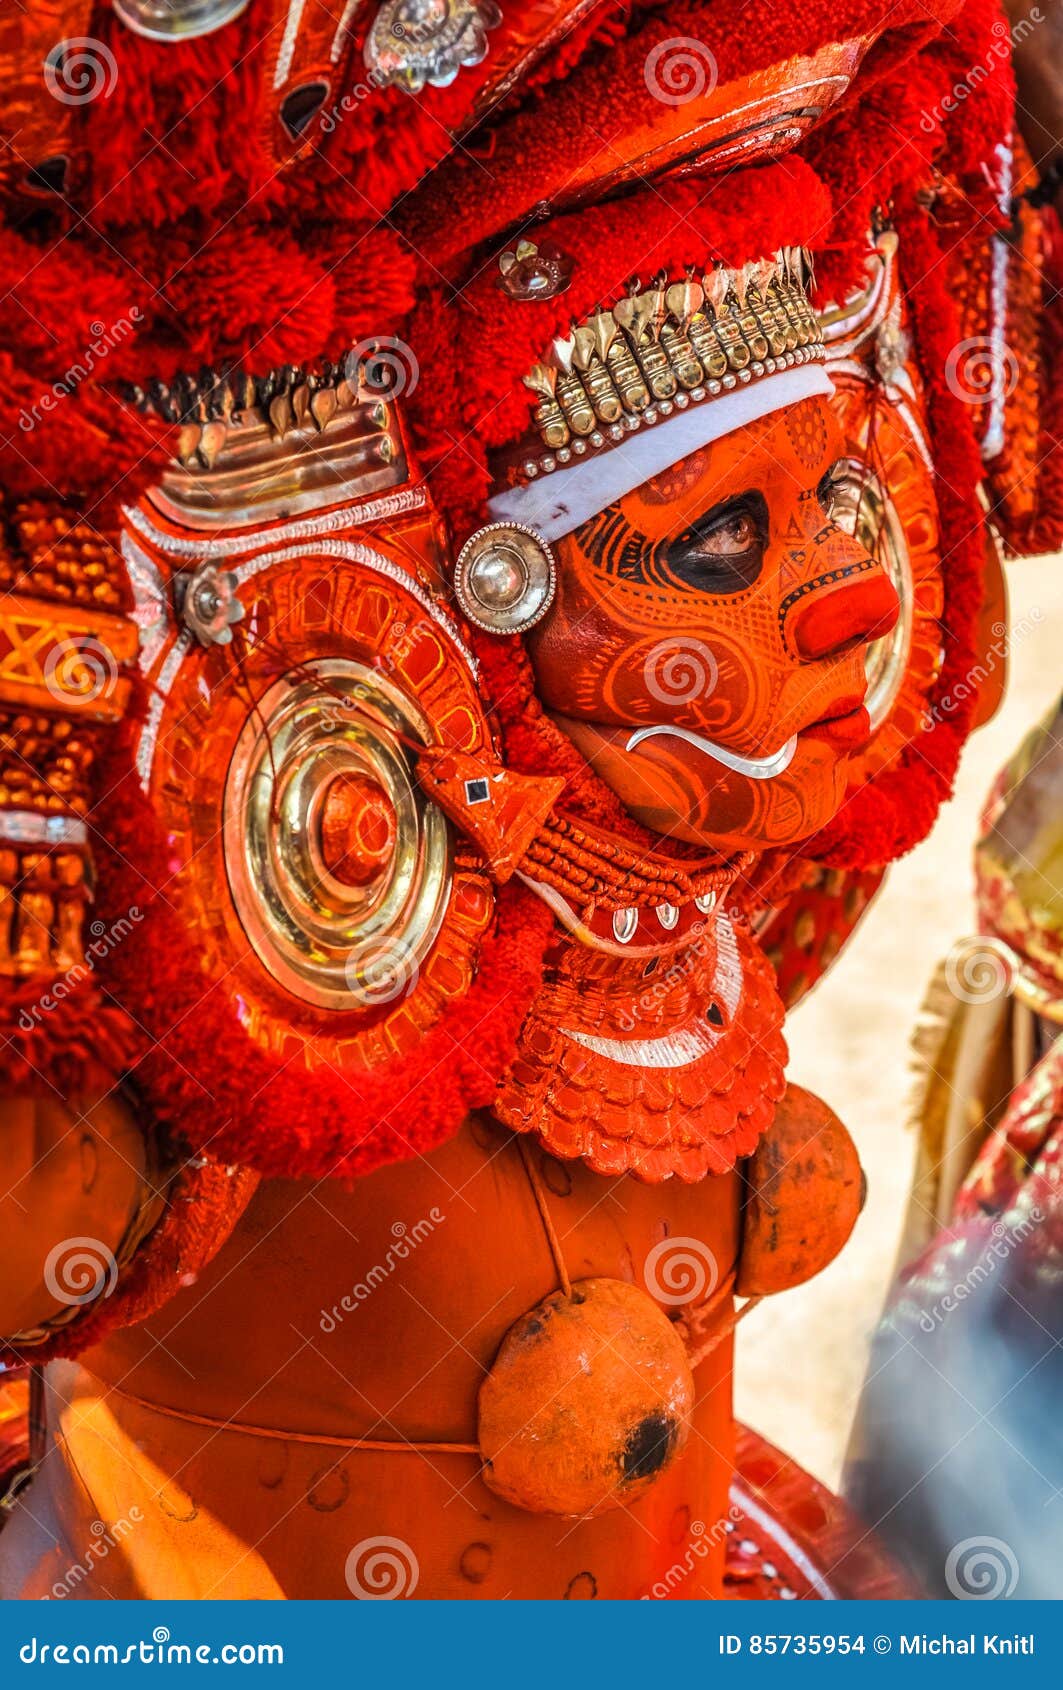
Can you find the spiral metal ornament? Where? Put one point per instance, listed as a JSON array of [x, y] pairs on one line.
[[340, 869]]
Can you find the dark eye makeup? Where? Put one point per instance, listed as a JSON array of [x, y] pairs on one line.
[[722, 551], [831, 485]]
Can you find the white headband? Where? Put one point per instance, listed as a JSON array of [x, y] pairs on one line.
[[559, 502]]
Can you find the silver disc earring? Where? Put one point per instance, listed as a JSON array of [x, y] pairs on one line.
[[504, 578]]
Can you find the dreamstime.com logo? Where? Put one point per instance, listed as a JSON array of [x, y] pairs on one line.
[[104, 1539], [331, 119], [381, 1569], [364, 698], [679, 70], [993, 658], [665, 980], [104, 340], [78, 1270], [982, 1569], [380, 971], [405, 1240], [979, 970], [1002, 41], [981, 370], [79, 671], [159, 1651], [679, 1271], [101, 943], [80, 70], [678, 670], [702, 1539], [1005, 1237]]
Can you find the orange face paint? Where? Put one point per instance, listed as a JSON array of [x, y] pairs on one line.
[[718, 606]]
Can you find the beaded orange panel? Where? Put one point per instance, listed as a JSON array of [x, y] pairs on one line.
[[43, 897], [1014, 474], [46, 762]]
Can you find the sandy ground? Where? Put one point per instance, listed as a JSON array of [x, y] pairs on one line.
[[801, 1356]]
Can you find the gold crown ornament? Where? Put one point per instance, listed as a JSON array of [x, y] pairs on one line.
[[667, 347], [292, 440]]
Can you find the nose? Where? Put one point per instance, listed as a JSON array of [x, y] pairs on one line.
[[850, 602]]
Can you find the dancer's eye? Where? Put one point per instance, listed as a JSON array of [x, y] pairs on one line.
[[831, 485], [723, 551]]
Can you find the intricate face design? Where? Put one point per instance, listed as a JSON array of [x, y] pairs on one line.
[[706, 646]]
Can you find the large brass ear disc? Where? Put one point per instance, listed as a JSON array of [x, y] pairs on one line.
[[589, 1400], [504, 578]]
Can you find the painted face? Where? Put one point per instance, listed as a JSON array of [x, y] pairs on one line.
[[705, 650]]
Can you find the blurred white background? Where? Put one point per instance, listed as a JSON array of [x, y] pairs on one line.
[[801, 1356]]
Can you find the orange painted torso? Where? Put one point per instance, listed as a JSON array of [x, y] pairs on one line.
[[436, 1259]]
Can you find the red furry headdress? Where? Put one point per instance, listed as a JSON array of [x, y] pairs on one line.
[[302, 182]]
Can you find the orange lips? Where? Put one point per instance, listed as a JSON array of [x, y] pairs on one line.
[[845, 732]]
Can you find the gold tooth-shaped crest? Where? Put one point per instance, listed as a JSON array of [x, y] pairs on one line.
[[542, 380], [323, 406], [563, 351], [548, 415], [301, 404], [683, 299], [281, 415], [641, 317], [673, 344], [209, 404], [188, 442], [584, 346], [717, 287], [742, 279], [212, 437], [606, 329], [591, 346], [763, 273], [634, 315]]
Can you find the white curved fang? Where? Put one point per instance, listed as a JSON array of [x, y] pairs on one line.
[[757, 768]]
